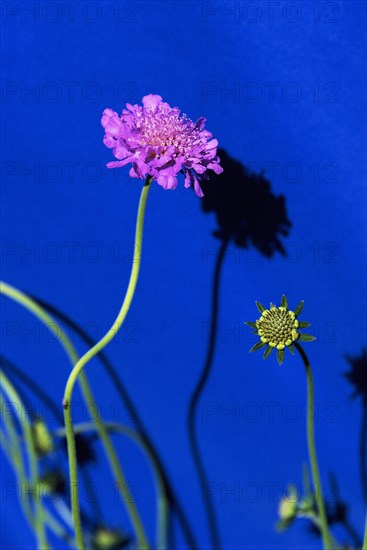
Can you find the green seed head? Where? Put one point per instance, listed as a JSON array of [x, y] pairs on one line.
[[277, 327]]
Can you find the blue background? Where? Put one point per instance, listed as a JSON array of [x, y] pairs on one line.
[[282, 87]]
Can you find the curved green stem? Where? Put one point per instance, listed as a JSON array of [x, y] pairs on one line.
[[111, 333], [31, 305], [52, 325], [24, 420], [312, 451], [135, 518], [162, 516]]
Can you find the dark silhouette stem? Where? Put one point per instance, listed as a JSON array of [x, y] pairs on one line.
[[195, 398], [363, 453]]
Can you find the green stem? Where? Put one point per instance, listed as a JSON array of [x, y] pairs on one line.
[[316, 521], [24, 420], [111, 333], [52, 325], [364, 547], [78, 365], [312, 450], [162, 515], [136, 521], [14, 455]]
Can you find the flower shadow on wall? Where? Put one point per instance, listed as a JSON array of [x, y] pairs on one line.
[[249, 215], [357, 376], [247, 211]]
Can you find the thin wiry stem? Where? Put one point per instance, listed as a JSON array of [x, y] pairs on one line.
[[312, 450], [77, 371], [69, 388], [23, 418]]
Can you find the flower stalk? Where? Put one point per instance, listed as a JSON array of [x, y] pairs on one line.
[[312, 450], [34, 307], [69, 388], [279, 328]]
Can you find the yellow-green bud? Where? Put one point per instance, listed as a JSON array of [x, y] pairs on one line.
[[42, 439], [287, 508], [108, 539]]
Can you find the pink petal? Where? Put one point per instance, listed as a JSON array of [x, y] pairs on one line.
[[215, 167], [188, 178], [213, 144], [133, 173], [199, 168], [197, 188], [115, 164], [106, 115], [151, 101], [167, 181], [113, 126]]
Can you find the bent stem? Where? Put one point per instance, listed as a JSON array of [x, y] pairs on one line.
[[32, 306], [312, 450], [24, 420], [135, 518], [170, 496], [78, 365]]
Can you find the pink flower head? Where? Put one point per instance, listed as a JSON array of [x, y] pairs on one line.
[[161, 142]]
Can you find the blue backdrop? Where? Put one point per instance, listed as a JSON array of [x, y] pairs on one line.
[[282, 87]]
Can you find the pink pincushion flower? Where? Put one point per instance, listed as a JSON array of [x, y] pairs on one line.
[[160, 142]]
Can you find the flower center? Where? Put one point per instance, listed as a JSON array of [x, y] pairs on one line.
[[164, 127], [277, 327]]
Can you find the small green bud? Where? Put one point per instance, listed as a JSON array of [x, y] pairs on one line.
[[42, 439], [52, 482], [108, 539], [287, 508]]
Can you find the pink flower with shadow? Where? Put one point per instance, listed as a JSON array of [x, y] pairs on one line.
[[160, 142]]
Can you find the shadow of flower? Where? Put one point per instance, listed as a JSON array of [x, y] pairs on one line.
[[357, 376], [249, 214], [246, 210]]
